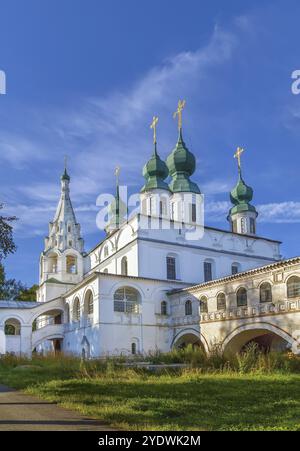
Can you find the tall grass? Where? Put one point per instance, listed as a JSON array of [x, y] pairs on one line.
[[251, 360]]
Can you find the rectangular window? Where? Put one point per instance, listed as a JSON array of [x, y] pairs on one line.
[[171, 268], [172, 210], [207, 271], [193, 213], [234, 269], [234, 226], [243, 225], [252, 226]]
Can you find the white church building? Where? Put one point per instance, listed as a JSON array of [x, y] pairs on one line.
[[160, 278]]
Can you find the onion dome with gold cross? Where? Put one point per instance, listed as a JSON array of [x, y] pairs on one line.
[[181, 162], [242, 194], [155, 170]]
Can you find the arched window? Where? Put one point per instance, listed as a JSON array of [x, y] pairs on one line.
[[265, 292], [133, 348], [188, 308], [241, 297], [52, 263], [293, 287], [105, 271], [89, 303], [164, 308], [126, 300], [203, 305], [124, 266], [71, 263], [76, 310], [12, 327], [221, 301]]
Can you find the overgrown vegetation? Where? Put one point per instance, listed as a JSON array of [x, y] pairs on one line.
[[253, 391]]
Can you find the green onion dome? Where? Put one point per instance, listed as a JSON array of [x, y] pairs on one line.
[[155, 172], [241, 196], [181, 164]]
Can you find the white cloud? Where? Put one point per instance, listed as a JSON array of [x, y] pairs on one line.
[[100, 133], [280, 213]]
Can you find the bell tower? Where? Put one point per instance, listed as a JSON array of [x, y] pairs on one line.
[[61, 262]]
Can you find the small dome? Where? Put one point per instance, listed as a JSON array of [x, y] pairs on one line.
[[181, 159], [155, 167], [65, 176], [240, 197], [155, 171], [181, 164], [241, 193]]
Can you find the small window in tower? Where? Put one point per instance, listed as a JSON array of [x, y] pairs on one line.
[[69, 229], [71, 264], [160, 208], [133, 348], [70, 243], [193, 212], [172, 210], [234, 226], [252, 226], [243, 225]]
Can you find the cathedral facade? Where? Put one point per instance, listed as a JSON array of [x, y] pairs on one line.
[[160, 278]]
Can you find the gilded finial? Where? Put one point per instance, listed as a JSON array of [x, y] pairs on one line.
[[153, 127], [178, 112], [65, 162], [237, 155], [117, 172]]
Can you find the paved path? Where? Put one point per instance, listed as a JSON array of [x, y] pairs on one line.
[[20, 412]]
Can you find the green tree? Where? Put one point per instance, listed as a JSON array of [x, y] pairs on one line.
[[28, 294], [7, 245]]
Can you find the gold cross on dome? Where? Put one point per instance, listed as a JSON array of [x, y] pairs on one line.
[[153, 126], [65, 161], [238, 154], [117, 172], [178, 112]]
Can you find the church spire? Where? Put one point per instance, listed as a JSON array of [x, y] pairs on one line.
[[64, 230]]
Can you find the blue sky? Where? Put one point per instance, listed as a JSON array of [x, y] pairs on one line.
[[84, 78]]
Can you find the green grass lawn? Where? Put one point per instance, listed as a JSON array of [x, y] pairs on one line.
[[190, 400]]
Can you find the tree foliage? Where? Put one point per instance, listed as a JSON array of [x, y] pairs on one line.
[[7, 245], [12, 289]]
